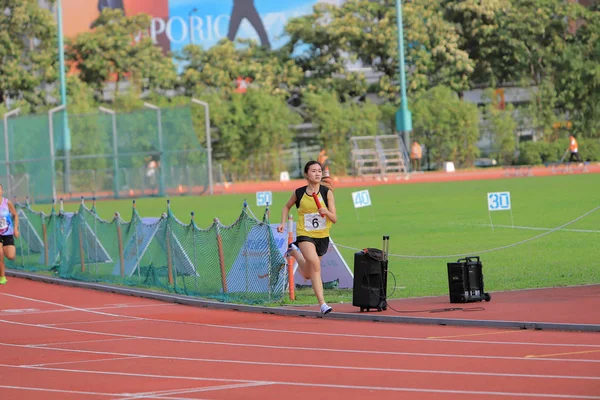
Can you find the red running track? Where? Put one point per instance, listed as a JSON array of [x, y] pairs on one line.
[[68, 343]]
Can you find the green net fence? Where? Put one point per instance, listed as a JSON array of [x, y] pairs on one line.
[[146, 152], [236, 263]]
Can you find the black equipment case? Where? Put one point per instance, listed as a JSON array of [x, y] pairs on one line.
[[370, 278], [465, 281]]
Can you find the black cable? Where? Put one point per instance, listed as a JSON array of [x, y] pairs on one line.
[[434, 310]]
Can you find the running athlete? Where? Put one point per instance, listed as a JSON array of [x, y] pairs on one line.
[[312, 227], [9, 230]]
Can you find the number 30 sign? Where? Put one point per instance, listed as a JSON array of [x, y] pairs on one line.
[[498, 201]]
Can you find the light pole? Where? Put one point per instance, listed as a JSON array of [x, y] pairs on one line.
[[191, 24], [6, 149], [403, 116], [63, 97], [208, 142], [52, 152]]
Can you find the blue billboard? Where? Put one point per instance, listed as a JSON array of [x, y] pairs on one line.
[[206, 22], [177, 23]]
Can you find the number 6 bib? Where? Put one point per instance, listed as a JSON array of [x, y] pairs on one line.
[[314, 222]]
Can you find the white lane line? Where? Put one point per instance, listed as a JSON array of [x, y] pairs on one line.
[[84, 361], [18, 310], [115, 395], [248, 345], [35, 311], [533, 228], [79, 342], [323, 385], [296, 332], [160, 394], [38, 389], [340, 367], [105, 321]]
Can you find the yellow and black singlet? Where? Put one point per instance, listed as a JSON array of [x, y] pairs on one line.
[[309, 222]]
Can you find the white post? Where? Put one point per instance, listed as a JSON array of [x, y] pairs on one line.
[[52, 152], [161, 180], [6, 150], [208, 142], [115, 149]]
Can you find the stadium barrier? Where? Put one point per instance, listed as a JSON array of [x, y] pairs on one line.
[[236, 263]]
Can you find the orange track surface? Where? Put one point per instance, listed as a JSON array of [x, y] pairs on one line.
[[68, 343], [339, 182]]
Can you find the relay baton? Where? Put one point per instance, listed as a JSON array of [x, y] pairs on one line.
[[316, 197]]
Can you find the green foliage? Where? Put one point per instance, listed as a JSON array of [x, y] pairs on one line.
[[478, 27], [366, 31], [456, 44], [27, 51], [532, 153], [447, 126], [543, 111], [325, 50], [220, 66], [502, 125], [252, 128], [589, 149], [339, 121], [120, 46], [578, 75]]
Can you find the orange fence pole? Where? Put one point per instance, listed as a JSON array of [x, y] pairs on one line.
[[290, 260]]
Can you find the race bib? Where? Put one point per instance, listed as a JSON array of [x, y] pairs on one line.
[[3, 223], [314, 222]]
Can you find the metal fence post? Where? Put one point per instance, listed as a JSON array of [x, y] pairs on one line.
[[115, 150], [161, 177], [208, 141], [6, 150]]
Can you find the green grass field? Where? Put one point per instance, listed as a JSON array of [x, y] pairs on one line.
[[439, 223]]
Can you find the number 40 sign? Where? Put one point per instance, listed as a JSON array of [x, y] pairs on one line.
[[361, 199]]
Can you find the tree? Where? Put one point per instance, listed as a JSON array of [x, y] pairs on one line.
[[577, 75], [502, 126], [121, 46], [447, 126], [321, 43], [366, 31], [28, 51], [221, 65], [478, 26], [251, 130], [339, 121]]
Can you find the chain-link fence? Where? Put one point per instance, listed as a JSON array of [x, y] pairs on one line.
[[146, 152], [236, 263]]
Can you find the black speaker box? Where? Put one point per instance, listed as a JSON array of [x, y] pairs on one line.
[[465, 281], [370, 279]]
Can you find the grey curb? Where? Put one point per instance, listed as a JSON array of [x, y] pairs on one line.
[[370, 317]]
